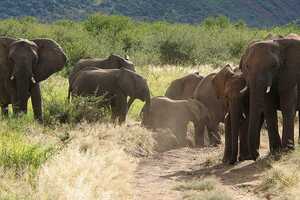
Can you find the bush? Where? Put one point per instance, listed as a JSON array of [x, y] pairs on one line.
[[90, 109]]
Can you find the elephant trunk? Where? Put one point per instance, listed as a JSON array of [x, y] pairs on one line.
[[22, 85], [235, 120], [256, 110]]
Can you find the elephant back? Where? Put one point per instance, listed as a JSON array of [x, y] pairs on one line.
[[206, 94]]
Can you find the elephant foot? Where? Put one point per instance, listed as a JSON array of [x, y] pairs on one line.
[[244, 157], [254, 156], [225, 160], [233, 161], [288, 149]]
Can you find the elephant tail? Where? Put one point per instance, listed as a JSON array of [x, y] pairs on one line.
[[144, 114]]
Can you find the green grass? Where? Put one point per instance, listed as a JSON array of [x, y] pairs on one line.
[[16, 152]]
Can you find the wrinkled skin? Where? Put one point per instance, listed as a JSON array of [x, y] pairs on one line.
[[115, 84], [206, 94], [112, 62], [183, 88], [227, 84], [23, 64], [271, 69], [166, 113]]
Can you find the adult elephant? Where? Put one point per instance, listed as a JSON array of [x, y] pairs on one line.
[[164, 112], [115, 85], [206, 94], [23, 64], [184, 87], [271, 69], [227, 83], [112, 62]]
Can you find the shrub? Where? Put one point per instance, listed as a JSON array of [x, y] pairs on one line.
[[90, 109]]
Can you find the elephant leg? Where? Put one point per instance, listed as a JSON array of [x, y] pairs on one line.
[[228, 136], [131, 100], [288, 102], [199, 133], [114, 111], [272, 126], [36, 102], [244, 153], [298, 125], [121, 108], [4, 110]]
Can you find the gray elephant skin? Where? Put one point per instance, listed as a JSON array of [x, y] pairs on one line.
[[112, 62], [165, 113], [206, 94], [184, 87], [227, 83], [115, 84], [271, 70], [23, 64]]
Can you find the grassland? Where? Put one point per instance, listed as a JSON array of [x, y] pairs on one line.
[[97, 160]]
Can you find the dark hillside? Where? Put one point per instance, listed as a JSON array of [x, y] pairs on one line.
[[254, 12]]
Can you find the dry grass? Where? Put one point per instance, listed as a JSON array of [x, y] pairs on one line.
[[204, 189], [98, 163]]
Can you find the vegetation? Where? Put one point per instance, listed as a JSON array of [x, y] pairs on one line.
[[216, 40], [192, 11], [63, 159]]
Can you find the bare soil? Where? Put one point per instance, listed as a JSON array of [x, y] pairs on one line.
[[157, 176]]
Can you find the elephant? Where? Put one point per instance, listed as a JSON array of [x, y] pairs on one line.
[[115, 85], [175, 115], [206, 94], [112, 62], [271, 70], [227, 83], [23, 65], [183, 88]]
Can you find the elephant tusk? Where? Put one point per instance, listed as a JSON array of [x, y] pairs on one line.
[[12, 78], [33, 80], [268, 89], [244, 115], [226, 115], [244, 89]]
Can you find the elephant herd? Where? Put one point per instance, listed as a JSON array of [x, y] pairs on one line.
[[242, 98]]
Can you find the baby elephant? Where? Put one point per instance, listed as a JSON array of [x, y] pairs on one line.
[[174, 114], [115, 85]]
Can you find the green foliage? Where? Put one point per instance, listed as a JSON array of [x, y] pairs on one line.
[[213, 41], [17, 154], [58, 109]]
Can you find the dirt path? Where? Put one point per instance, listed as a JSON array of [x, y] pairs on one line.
[[157, 176]]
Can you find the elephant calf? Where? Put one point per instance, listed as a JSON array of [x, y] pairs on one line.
[[183, 88], [164, 113], [115, 84], [228, 83], [206, 94]]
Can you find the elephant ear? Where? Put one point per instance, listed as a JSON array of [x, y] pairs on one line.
[[126, 82], [5, 43], [220, 80], [51, 58], [234, 85]]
